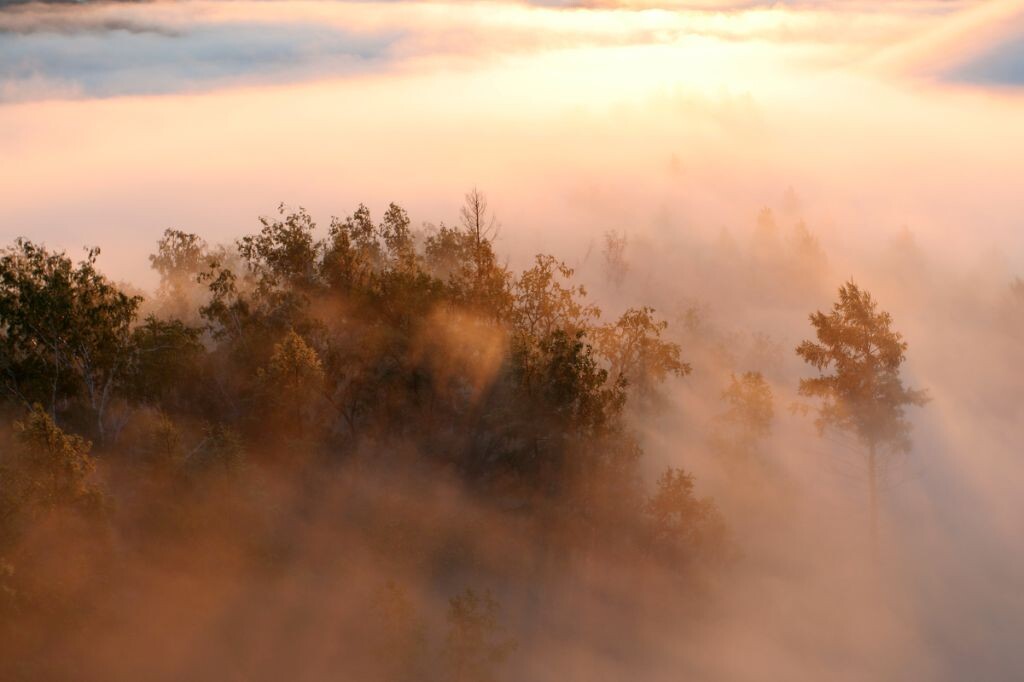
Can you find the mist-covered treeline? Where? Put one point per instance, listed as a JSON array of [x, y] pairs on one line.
[[440, 427], [371, 451]]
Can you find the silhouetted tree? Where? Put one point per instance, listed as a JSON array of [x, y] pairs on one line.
[[858, 356]]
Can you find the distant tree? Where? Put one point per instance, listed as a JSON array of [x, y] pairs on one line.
[[480, 225], [748, 415], [398, 239], [683, 526], [766, 234], [858, 356], [65, 331], [284, 254], [180, 258], [615, 265], [808, 255], [353, 253], [476, 647]]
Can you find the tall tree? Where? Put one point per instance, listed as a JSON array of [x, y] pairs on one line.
[[480, 224], [858, 357]]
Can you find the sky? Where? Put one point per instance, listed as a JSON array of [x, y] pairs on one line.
[[118, 120], [894, 129]]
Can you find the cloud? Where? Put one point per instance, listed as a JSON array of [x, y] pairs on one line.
[[107, 56]]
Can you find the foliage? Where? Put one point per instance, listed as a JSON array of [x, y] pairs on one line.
[[636, 353], [863, 394], [65, 331], [748, 416], [683, 525], [370, 348], [48, 469]]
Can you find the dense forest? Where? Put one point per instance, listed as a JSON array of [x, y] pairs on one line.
[[372, 452]]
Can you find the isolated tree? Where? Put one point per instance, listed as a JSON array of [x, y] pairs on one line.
[[479, 224], [858, 356]]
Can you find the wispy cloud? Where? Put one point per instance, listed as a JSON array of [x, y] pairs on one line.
[[81, 52]]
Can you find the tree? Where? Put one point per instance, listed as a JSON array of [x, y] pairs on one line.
[[293, 378], [615, 265], [353, 253], [48, 469], [65, 330], [480, 225], [748, 415], [682, 524], [398, 238], [164, 357], [858, 356], [543, 304], [636, 353], [180, 259]]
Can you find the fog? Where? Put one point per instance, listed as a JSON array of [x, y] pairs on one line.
[[891, 131]]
